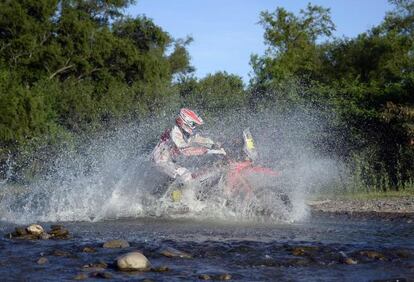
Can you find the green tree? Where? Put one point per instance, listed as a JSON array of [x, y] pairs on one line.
[[292, 43], [214, 93]]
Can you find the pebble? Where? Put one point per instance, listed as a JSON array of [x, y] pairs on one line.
[[403, 253], [35, 229], [221, 277], [59, 232], [60, 253], [174, 253], [114, 244], [350, 261], [95, 266], [298, 251], [42, 260], [19, 231], [44, 236], [224, 276], [80, 276], [102, 274], [372, 255], [204, 277], [133, 261], [88, 250]]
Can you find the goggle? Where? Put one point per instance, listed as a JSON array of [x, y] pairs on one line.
[[191, 124]]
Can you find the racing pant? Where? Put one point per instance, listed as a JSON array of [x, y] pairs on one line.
[[163, 160]]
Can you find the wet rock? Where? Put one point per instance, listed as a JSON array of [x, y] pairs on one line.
[[350, 261], [32, 232], [403, 253], [114, 244], [133, 261], [35, 229], [99, 266], [101, 274], [44, 236], [80, 276], [160, 269], [298, 251], [88, 250], [372, 255], [174, 253], [347, 260], [58, 232], [61, 253], [25, 237], [42, 260], [303, 250], [223, 277], [20, 231]]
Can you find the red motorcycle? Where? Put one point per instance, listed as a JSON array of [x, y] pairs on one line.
[[241, 185]]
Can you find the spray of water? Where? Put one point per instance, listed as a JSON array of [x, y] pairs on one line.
[[111, 176]]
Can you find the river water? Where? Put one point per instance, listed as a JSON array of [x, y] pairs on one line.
[[313, 249]]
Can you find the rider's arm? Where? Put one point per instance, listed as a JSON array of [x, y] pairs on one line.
[[198, 140], [196, 146], [185, 147]]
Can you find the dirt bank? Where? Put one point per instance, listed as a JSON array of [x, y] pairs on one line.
[[397, 207]]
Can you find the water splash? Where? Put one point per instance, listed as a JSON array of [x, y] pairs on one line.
[[111, 176]]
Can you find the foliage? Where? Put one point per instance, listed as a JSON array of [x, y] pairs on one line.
[[214, 93], [363, 86], [70, 67]]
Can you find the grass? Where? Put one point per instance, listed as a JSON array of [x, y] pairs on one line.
[[364, 194], [376, 195]]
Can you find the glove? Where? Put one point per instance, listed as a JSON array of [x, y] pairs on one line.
[[185, 178]]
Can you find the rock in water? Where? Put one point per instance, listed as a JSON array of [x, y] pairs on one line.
[[59, 232], [35, 229], [44, 236], [133, 261], [99, 266], [224, 276], [372, 255], [42, 260], [102, 274], [113, 244], [80, 276], [174, 253], [88, 250], [204, 277], [19, 232], [350, 261]]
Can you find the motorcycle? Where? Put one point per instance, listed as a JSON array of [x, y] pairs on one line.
[[238, 185]]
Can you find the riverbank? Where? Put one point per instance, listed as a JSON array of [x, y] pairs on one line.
[[365, 206]]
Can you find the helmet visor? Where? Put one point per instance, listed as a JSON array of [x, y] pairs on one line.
[[192, 124]]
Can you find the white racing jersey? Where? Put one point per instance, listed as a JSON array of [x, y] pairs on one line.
[[173, 143]]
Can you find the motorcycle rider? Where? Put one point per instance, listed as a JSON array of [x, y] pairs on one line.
[[180, 140]]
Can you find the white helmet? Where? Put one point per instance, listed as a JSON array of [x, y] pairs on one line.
[[187, 120]]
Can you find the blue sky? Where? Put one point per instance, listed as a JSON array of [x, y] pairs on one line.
[[226, 32]]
